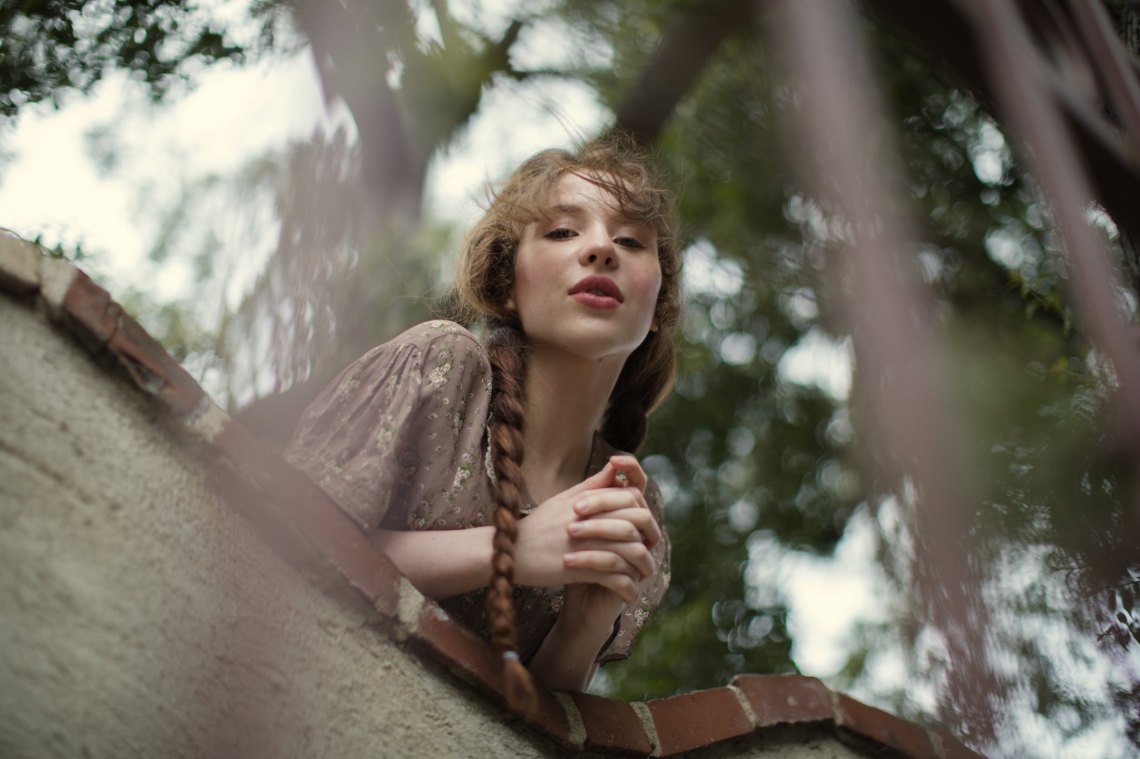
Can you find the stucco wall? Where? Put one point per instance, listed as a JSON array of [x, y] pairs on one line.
[[140, 616]]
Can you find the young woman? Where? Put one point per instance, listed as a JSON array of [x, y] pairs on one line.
[[557, 555]]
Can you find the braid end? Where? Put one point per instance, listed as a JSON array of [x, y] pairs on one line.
[[519, 689]]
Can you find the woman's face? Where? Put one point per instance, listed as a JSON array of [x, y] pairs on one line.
[[586, 277]]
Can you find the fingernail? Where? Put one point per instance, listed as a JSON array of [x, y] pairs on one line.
[[582, 505], [575, 528]]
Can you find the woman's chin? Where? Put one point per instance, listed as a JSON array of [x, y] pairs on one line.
[[584, 344]]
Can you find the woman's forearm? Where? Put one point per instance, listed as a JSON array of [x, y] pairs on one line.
[[567, 658], [441, 563]]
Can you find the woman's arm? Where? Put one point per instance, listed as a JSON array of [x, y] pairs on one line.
[[567, 658], [554, 546], [441, 563], [445, 563], [593, 538]]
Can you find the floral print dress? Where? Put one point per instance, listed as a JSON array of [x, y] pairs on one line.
[[400, 442]]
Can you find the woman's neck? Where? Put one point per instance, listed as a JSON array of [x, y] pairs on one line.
[[566, 397]]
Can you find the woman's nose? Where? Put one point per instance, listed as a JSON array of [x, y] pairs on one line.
[[599, 250]]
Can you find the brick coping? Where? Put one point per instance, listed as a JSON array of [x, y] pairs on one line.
[[765, 704]]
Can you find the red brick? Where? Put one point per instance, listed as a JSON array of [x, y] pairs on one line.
[[884, 728], [952, 748], [786, 699], [697, 719], [91, 309], [306, 506], [100, 321], [611, 725], [152, 368], [460, 649], [551, 717]]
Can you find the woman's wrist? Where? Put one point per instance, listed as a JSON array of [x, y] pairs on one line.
[[594, 624], [567, 658]]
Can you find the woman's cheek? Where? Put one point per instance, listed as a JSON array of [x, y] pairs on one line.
[[648, 292]]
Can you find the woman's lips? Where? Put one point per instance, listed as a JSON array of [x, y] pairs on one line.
[[596, 301], [597, 292]]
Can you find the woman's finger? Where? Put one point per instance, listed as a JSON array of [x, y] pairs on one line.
[[638, 555], [600, 528], [602, 478], [624, 525], [630, 558], [600, 559], [619, 583], [631, 468], [643, 520], [609, 499]]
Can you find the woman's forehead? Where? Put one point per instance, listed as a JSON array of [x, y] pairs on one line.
[[575, 194]]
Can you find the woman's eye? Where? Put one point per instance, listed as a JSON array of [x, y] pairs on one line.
[[630, 242], [561, 233]]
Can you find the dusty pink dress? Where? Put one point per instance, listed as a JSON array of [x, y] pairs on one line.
[[399, 441]]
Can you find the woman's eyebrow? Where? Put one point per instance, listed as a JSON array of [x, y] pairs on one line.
[[573, 209]]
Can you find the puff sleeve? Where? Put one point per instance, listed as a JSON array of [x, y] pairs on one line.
[[396, 438]]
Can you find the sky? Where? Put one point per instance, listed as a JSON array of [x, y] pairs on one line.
[[54, 187]]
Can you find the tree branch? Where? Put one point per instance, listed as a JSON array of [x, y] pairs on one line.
[[447, 31], [353, 59], [692, 38]]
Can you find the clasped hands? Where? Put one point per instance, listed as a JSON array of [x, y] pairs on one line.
[[597, 533]]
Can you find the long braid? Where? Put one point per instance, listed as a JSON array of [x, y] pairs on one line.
[[506, 350]]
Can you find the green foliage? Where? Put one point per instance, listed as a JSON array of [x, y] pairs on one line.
[[749, 453], [74, 254], [745, 453], [55, 45]]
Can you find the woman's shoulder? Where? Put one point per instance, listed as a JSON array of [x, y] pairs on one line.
[[439, 331], [435, 354], [429, 335], [420, 346], [445, 357]]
